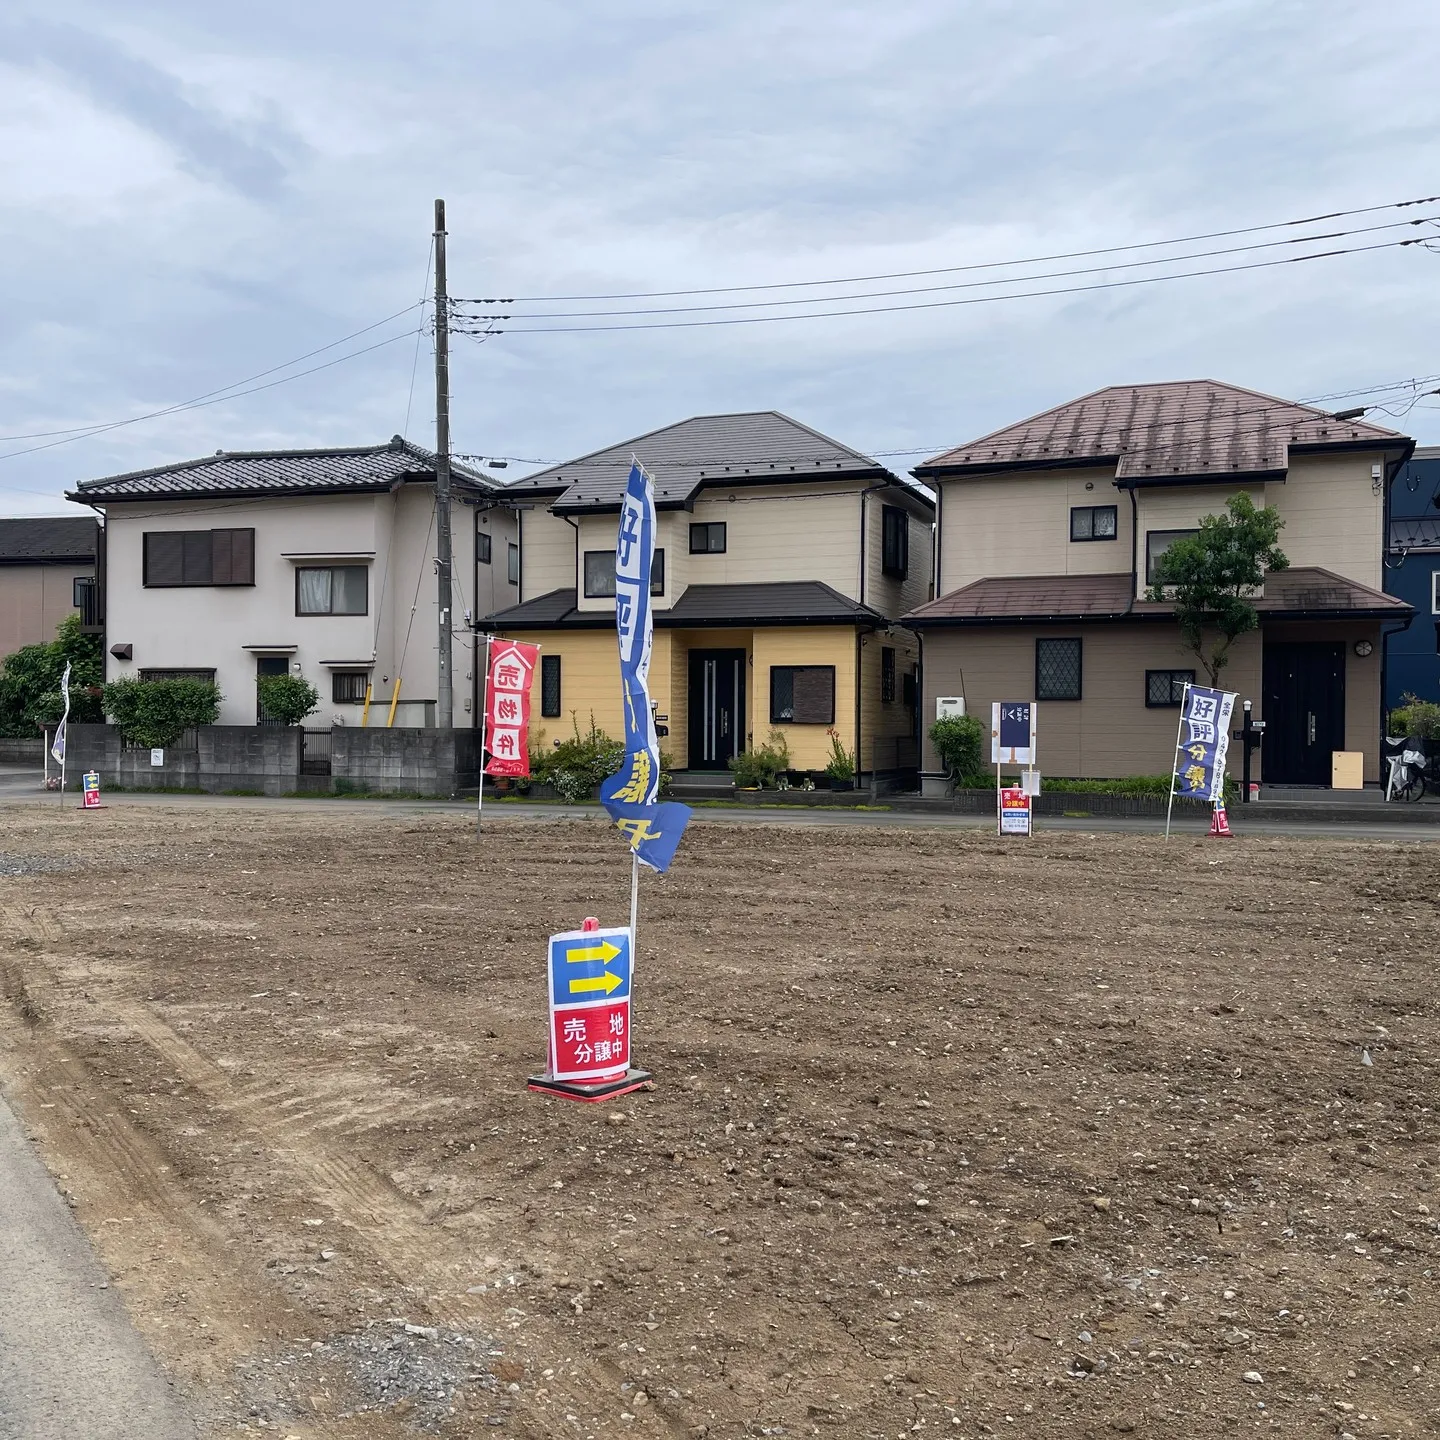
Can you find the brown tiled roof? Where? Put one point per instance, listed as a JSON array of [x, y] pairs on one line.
[[1153, 432], [1304, 591]]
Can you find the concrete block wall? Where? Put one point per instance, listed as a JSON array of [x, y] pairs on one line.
[[249, 757], [426, 762], [22, 752]]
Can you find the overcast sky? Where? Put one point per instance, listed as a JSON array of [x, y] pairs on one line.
[[191, 194]]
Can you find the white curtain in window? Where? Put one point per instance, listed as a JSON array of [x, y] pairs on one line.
[[315, 592]]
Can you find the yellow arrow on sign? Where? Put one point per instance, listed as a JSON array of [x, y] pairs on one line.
[[604, 952], [606, 982]]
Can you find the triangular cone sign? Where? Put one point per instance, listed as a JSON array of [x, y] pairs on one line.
[[1219, 823]]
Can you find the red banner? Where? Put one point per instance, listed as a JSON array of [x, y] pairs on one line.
[[507, 707]]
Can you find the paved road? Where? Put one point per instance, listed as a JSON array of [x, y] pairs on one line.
[[16, 785], [71, 1365]]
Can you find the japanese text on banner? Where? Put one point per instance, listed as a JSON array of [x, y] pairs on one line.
[[507, 710], [1204, 743]]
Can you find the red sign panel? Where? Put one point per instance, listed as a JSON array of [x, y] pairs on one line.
[[507, 707], [590, 1042]]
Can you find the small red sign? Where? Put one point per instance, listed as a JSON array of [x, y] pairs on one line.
[[590, 1042], [507, 707]]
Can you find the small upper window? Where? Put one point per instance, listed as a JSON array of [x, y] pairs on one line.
[[1092, 522], [1164, 688], [887, 674], [512, 564], [600, 573], [1435, 592], [482, 547], [707, 537], [331, 590], [895, 542], [1157, 542]]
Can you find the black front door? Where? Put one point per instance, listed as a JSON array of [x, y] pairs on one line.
[[717, 707], [1304, 712], [268, 665]]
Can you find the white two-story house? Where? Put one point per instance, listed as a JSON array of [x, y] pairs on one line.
[[319, 563], [1048, 533]]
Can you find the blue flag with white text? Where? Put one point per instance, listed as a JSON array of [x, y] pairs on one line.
[[630, 795]]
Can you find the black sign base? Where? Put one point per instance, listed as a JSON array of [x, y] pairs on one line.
[[577, 1090]]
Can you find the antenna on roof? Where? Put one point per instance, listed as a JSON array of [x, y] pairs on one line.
[[1354, 414]]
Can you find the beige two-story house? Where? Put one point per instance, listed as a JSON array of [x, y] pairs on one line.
[[783, 561], [47, 573], [1047, 536]]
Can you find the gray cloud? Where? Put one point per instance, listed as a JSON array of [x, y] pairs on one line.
[[250, 158], [657, 144]]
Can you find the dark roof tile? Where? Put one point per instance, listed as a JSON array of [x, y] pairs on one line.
[[53, 539], [281, 472]]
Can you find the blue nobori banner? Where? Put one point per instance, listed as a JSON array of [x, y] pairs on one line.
[[1203, 742], [630, 796]]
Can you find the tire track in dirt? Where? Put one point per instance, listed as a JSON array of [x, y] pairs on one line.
[[167, 1255]]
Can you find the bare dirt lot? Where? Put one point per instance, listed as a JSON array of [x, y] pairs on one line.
[[1081, 1136]]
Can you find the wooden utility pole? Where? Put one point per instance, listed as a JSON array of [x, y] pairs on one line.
[[445, 690]]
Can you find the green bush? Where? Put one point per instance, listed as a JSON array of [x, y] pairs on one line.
[[30, 681], [959, 741], [841, 764], [1415, 718], [158, 712], [762, 767], [286, 699], [574, 767]]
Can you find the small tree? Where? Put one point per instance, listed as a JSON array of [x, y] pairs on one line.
[[959, 741], [1209, 578], [158, 712], [30, 681], [287, 699]]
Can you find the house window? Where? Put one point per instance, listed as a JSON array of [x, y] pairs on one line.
[[332, 590], [1157, 542], [802, 694], [512, 564], [550, 685], [887, 674], [79, 589], [482, 547], [1092, 522], [1165, 688], [348, 687], [600, 573], [895, 541], [708, 538], [198, 557], [1435, 592], [1057, 669]]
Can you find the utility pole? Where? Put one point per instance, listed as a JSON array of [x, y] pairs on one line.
[[445, 690]]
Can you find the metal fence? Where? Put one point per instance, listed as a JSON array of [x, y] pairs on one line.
[[315, 752], [189, 741]]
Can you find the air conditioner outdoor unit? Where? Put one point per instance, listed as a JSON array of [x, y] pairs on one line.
[[947, 707]]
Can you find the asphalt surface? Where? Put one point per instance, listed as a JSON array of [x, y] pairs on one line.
[[71, 1364], [22, 785]]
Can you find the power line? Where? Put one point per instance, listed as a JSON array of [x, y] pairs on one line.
[[183, 404], [220, 399], [933, 304], [955, 269], [966, 284]]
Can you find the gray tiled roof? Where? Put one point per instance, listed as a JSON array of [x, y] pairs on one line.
[[1154, 432], [1301, 591], [786, 602], [281, 472], [1415, 534], [49, 539], [761, 445]]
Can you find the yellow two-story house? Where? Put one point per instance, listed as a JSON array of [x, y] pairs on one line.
[[783, 562], [1048, 532]]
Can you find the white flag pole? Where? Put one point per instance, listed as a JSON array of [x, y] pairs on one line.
[[484, 726], [1175, 754]]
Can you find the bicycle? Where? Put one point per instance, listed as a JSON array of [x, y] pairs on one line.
[[1409, 766]]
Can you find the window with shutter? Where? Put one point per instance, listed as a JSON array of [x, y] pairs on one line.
[[895, 554], [199, 557], [164, 557]]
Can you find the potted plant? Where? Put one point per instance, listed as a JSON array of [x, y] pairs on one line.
[[840, 767]]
